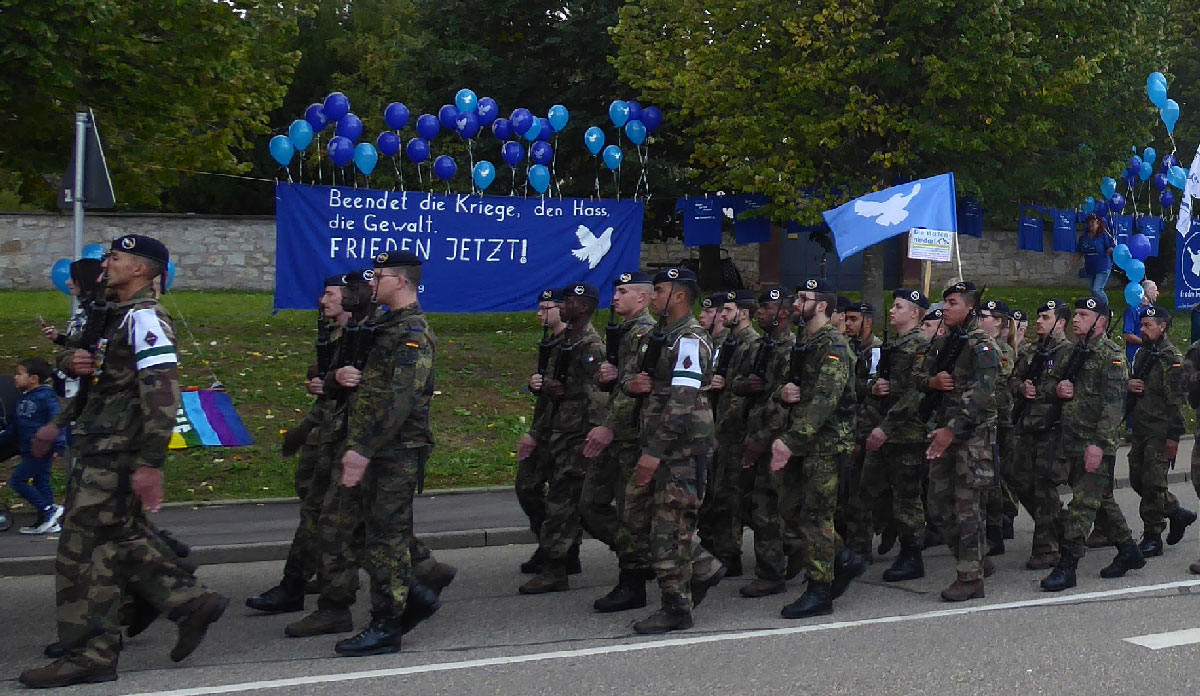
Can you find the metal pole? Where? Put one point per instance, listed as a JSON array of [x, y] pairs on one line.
[[81, 124]]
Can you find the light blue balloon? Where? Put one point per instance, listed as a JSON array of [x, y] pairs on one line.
[[60, 273], [1108, 186], [1169, 113], [1135, 270], [1089, 204], [1156, 77], [1145, 171], [534, 130], [365, 158], [282, 150], [613, 157], [93, 251], [594, 139], [636, 130], [483, 174], [301, 134], [170, 275], [466, 101], [1157, 92], [1177, 177], [1134, 294], [618, 113], [1122, 255], [1149, 155], [558, 117], [539, 178]]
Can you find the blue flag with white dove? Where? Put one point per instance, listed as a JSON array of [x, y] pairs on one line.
[[875, 217]]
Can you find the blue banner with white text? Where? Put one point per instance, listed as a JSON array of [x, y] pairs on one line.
[[479, 253]]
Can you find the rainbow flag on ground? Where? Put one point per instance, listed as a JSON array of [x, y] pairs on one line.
[[207, 419]]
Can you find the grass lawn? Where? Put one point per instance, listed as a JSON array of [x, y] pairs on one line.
[[479, 413]]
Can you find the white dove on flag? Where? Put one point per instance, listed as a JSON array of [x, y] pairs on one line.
[[893, 211], [592, 248]]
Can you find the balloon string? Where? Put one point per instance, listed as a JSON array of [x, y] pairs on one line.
[[553, 162], [646, 171], [512, 190], [399, 175], [318, 155], [596, 162]]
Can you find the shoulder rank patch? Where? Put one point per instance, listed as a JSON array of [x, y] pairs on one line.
[[412, 344], [1176, 364], [1116, 362], [687, 372], [831, 356]]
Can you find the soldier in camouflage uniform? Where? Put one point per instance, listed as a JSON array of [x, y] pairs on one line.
[[312, 471], [775, 561], [122, 427], [711, 308], [574, 406], [720, 526], [962, 444], [854, 517], [817, 409], [895, 461], [533, 472], [676, 435], [1189, 385], [1035, 471], [994, 318], [1155, 409], [612, 449], [1090, 424]]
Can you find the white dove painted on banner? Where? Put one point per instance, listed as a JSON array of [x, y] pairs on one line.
[[592, 248], [893, 211]]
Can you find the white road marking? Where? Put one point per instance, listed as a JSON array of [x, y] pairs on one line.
[[1158, 641], [683, 640]]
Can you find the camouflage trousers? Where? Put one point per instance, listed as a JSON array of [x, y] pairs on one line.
[[1148, 466], [1000, 501], [1092, 504], [771, 549], [107, 549], [957, 480], [1034, 475], [665, 512], [853, 516], [312, 483], [808, 499], [602, 503], [894, 473], [720, 525], [533, 473], [563, 526]]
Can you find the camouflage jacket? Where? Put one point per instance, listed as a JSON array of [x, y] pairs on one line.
[[319, 413], [390, 408], [132, 403], [900, 421], [1158, 412], [677, 421], [582, 404], [968, 410], [1189, 378], [1093, 417], [765, 419], [1004, 397], [1059, 351], [730, 411], [823, 421], [866, 364], [619, 411], [539, 403]]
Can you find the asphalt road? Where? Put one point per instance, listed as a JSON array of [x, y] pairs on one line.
[[882, 638]]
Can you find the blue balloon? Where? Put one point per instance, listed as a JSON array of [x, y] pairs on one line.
[[635, 110], [282, 150], [1101, 208], [502, 128], [1134, 294], [336, 106], [340, 150], [1169, 114], [487, 111], [1168, 161], [467, 124], [512, 153], [483, 174], [60, 273], [1166, 199], [545, 130], [532, 133], [613, 157], [539, 178], [541, 152], [521, 120], [396, 115], [652, 116], [447, 115], [388, 143], [618, 113], [1157, 92], [350, 127], [428, 126], [417, 150], [1145, 172], [315, 115], [1089, 204], [1160, 181], [1156, 77], [636, 130], [170, 275], [1139, 246], [1149, 155], [365, 158], [301, 134], [593, 138], [93, 251], [558, 117], [1177, 177], [1116, 203], [1108, 186], [466, 101], [444, 167], [1121, 255], [1135, 271]]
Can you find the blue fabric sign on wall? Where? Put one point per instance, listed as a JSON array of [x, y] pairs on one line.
[[480, 253]]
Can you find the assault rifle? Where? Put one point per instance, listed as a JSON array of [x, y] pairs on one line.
[[612, 339], [1079, 355], [725, 352], [92, 337], [1142, 373], [359, 333], [766, 346], [323, 345], [545, 348], [563, 353], [1037, 366], [884, 369], [654, 348], [947, 357]]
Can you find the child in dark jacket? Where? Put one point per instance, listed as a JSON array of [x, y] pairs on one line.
[[31, 479]]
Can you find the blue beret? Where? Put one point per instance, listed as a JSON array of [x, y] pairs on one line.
[[674, 275], [774, 294], [633, 278], [393, 259], [1051, 305], [1156, 312], [1095, 304], [997, 307], [913, 296], [817, 285], [581, 290], [551, 295], [959, 287], [141, 245]]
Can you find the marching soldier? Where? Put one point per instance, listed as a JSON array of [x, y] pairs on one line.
[[710, 317], [994, 319], [1189, 384], [931, 325], [854, 518]]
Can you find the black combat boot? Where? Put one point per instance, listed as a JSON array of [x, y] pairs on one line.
[[847, 566], [1151, 545], [1179, 524], [908, 564], [817, 600], [1009, 532], [700, 587], [887, 538], [287, 596], [932, 539], [66, 671], [136, 615], [534, 565], [382, 636], [1129, 557], [422, 603], [574, 567], [552, 578], [630, 592], [673, 616], [1063, 575], [995, 539], [733, 566]]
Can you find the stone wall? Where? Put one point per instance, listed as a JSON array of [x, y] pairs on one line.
[[995, 260], [745, 256]]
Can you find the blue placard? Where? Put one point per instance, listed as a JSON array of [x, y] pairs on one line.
[[479, 253], [1187, 267]]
